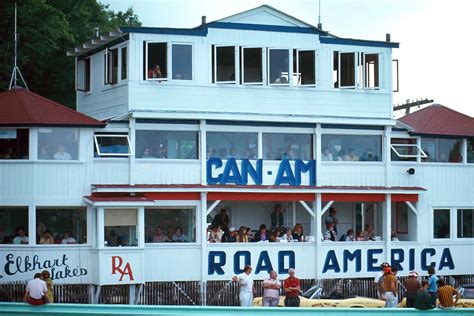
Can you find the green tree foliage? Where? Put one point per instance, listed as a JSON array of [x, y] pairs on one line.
[[47, 29]]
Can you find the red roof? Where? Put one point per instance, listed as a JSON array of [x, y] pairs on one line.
[[440, 120], [21, 107]]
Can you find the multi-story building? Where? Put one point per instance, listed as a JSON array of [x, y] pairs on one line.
[[253, 111]]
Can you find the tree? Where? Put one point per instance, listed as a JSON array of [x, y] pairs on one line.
[[47, 29]]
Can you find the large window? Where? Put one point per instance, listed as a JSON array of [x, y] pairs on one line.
[[120, 227], [167, 144], [278, 66], [304, 67], [112, 145], [61, 226], [344, 70], [442, 150], [287, 146], [182, 62], [14, 143], [470, 150], [58, 143], [232, 145], [252, 68], [14, 225], [170, 225], [224, 64], [465, 223], [351, 148], [441, 223], [157, 61]]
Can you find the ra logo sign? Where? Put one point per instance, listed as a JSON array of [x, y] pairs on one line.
[[119, 268]]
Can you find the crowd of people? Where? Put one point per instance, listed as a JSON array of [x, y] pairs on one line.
[[348, 154], [175, 234]]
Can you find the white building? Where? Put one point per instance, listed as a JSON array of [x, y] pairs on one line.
[[244, 113]]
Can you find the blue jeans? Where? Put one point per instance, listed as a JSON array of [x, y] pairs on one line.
[[433, 298]]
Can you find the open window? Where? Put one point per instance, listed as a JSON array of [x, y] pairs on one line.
[[278, 66], [371, 70], [224, 64], [112, 66], [83, 75], [304, 70], [157, 61], [14, 222], [406, 149], [120, 227], [112, 145], [124, 63], [182, 61], [252, 65], [344, 70]]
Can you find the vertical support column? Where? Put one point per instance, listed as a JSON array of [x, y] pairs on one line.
[[100, 227], [203, 151], [317, 153], [260, 145], [131, 294], [203, 247], [387, 226], [317, 207], [141, 227], [386, 154], [293, 207], [91, 228], [31, 225], [464, 150], [131, 159]]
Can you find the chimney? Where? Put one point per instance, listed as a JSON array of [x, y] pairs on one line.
[[387, 37], [96, 31], [203, 20]]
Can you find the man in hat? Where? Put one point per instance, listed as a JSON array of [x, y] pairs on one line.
[[412, 286], [232, 236]]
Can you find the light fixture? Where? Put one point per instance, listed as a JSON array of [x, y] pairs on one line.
[[411, 171]]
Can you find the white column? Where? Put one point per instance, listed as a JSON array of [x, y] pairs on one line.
[[203, 234], [260, 145], [100, 228], [317, 154], [317, 234], [141, 227], [131, 159], [31, 225], [91, 228], [386, 154], [203, 151], [387, 226]]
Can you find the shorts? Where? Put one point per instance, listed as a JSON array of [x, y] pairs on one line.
[[34, 301]]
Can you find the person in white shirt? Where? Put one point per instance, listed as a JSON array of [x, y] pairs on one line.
[[271, 290], [246, 286], [62, 154], [68, 239], [36, 291], [326, 155]]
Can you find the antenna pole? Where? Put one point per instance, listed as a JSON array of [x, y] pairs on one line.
[[15, 66], [320, 26]]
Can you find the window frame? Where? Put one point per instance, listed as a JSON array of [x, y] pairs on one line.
[[78, 145], [365, 80], [121, 62], [97, 147], [172, 205], [355, 53], [88, 219], [86, 76], [167, 61], [290, 67], [170, 62], [168, 129], [453, 217], [421, 154], [297, 70], [236, 63], [242, 66], [456, 211]]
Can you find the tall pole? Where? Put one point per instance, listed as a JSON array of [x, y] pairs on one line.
[[15, 66]]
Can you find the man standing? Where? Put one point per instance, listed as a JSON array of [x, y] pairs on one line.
[[390, 285], [36, 291], [423, 298], [246, 286], [445, 295], [271, 290], [276, 217], [292, 289], [412, 286], [222, 220], [433, 285]]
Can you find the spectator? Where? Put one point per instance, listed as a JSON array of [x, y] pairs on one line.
[[423, 298], [331, 218], [232, 237], [326, 155], [412, 285], [348, 236], [378, 280], [222, 220], [292, 289], [215, 235], [271, 290], [330, 234], [390, 285], [160, 236], [433, 285], [68, 239], [47, 238], [445, 295], [249, 234], [246, 286], [46, 277], [393, 235], [369, 232], [298, 233], [154, 72], [62, 154], [20, 237], [179, 236], [242, 234], [360, 236], [288, 236], [276, 217], [262, 234], [36, 290]]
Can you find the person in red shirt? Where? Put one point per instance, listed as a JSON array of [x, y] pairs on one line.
[[292, 289]]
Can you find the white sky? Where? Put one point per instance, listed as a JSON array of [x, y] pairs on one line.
[[435, 36]]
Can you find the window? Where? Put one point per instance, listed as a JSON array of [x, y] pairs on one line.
[[167, 144], [351, 148], [157, 61], [278, 66], [14, 225], [124, 63], [182, 62], [112, 145], [287, 146], [442, 150], [112, 66], [224, 64], [405, 149], [252, 66], [465, 223], [170, 225], [344, 70], [232, 145], [441, 223], [61, 226], [371, 70], [120, 227], [83, 71], [470, 150], [304, 65], [58, 143], [14, 143]]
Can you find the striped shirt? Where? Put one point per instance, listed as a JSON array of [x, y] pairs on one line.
[[445, 296]]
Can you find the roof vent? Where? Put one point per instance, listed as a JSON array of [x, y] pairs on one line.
[[203, 20], [387, 37]]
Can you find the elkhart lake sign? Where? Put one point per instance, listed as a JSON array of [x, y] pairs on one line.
[[243, 172]]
